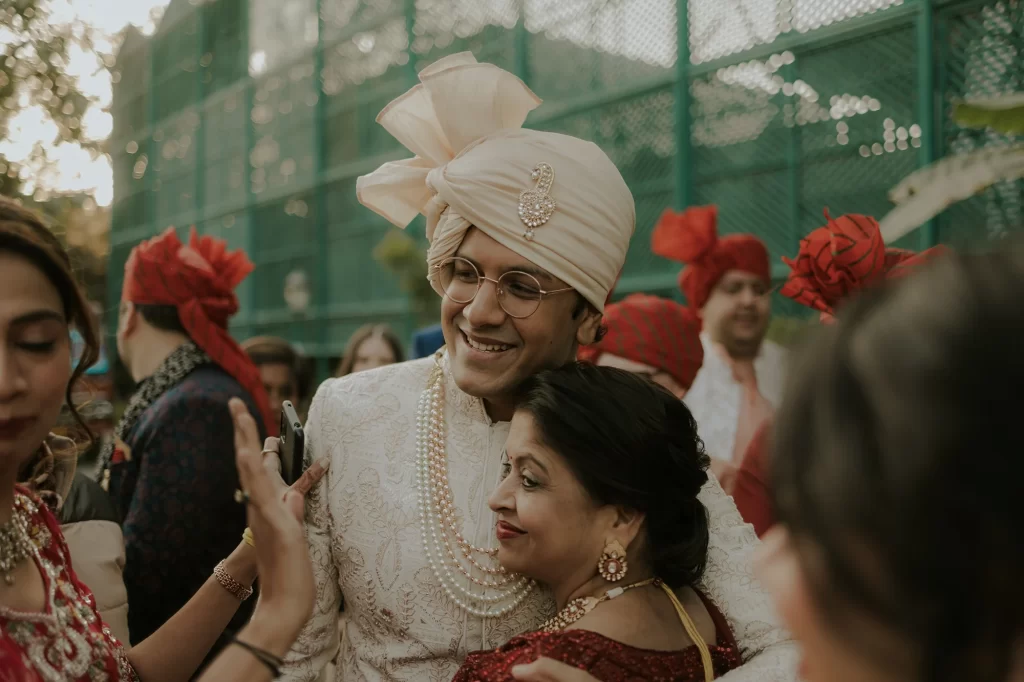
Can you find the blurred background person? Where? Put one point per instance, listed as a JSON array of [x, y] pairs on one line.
[[728, 281], [281, 372], [426, 341], [370, 346], [834, 262], [652, 336], [170, 458], [896, 472]]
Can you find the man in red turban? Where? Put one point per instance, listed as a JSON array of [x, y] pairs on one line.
[[728, 281], [653, 336], [834, 262], [170, 469]]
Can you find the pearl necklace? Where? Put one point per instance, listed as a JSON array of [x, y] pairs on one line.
[[439, 523]]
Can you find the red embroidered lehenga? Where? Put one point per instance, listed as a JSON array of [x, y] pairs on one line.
[[604, 658], [68, 641]]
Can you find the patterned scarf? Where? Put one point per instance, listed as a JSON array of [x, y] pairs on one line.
[[179, 364]]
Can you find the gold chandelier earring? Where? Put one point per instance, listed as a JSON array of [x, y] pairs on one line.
[[613, 565]]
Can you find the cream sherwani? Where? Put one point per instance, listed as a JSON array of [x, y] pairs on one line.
[[714, 399], [365, 541]]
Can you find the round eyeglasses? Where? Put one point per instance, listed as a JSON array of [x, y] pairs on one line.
[[519, 293]]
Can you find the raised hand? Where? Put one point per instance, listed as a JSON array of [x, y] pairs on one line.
[[275, 517]]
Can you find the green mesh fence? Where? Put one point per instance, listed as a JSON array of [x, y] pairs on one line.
[[252, 119]]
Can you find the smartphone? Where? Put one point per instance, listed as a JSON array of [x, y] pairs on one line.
[[293, 443]]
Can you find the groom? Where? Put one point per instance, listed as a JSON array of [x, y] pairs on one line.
[[528, 231]]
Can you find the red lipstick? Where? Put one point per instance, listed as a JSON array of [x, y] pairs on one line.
[[506, 531]]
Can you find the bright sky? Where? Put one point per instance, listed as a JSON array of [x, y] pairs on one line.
[[70, 168], [648, 35]]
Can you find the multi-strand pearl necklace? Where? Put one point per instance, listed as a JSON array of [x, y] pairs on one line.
[[501, 592]]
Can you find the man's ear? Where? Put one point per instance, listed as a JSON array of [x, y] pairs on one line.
[[128, 318], [586, 333]]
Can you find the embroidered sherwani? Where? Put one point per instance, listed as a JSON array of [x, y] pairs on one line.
[[715, 399], [363, 522]]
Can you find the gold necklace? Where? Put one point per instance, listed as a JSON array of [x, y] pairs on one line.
[[581, 606], [15, 544]]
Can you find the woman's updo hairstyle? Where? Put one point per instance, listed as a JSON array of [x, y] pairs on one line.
[[631, 443]]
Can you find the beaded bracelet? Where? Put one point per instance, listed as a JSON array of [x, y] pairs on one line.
[[268, 659], [235, 588]]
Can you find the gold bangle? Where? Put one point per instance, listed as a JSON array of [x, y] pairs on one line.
[[235, 588], [249, 539]]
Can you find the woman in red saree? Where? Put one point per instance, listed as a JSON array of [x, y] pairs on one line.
[[600, 504]]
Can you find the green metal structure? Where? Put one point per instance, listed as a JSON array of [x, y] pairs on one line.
[[251, 119]]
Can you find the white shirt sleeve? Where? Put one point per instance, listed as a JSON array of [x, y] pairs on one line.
[[768, 652]]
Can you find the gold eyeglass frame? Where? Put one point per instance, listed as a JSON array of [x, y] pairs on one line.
[[480, 278]]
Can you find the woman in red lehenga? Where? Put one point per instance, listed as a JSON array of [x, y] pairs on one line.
[[600, 504], [50, 628]]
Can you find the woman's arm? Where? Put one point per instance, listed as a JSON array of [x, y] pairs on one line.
[[237, 663], [175, 651]]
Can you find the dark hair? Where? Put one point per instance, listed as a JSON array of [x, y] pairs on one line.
[[162, 317], [630, 442], [899, 462], [362, 334], [273, 350], [23, 232]]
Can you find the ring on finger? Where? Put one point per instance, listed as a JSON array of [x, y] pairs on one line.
[[242, 496]]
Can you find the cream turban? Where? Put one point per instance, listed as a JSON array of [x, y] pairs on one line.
[[475, 166]]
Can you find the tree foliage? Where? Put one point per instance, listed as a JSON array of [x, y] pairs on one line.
[[407, 260], [34, 55]]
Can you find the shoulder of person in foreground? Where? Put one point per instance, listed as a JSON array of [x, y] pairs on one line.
[[342, 409], [94, 538], [768, 652], [196, 405]]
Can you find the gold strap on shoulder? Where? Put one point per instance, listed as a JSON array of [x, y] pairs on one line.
[[691, 630]]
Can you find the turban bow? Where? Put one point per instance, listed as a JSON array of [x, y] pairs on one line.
[[844, 256], [475, 166], [654, 331], [691, 237], [199, 280]]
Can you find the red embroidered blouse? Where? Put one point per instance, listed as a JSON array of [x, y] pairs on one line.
[[68, 641], [604, 658]]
